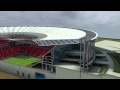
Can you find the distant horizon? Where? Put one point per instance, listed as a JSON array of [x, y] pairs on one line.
[[105, 23], [107, 38]]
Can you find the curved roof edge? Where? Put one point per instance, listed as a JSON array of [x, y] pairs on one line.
[[90, 35], [94, 33]]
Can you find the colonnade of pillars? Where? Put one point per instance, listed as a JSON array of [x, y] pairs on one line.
[[88, 53]]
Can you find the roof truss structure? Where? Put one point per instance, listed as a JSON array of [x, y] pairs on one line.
[[56, 42]]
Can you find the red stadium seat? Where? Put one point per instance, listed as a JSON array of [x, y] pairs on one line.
[[45, 52], [40, 52], [34, 51], [5, 52], [2, 53], [30, 50]]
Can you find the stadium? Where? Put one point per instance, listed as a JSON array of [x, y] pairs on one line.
[[46, 52]]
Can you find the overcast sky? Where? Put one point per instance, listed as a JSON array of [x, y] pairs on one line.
[[105, 23]]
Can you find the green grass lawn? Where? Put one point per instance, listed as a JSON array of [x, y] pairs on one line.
[[22, 60], [116, 63], [103, 70], [101, 39]]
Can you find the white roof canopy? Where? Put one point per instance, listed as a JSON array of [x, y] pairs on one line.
[[52, 35]]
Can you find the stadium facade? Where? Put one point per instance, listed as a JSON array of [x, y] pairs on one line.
[[46, 52]]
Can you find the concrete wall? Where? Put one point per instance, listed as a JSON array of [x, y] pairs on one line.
[[7, 67], [62, 73], [27, 71], [12, 69], [48, 74]]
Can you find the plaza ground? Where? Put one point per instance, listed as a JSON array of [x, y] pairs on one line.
[[108, 46], [4, 75]]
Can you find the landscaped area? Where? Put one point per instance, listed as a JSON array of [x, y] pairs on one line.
[[103, 70], [22, 60], [101, 39], [116, 59]]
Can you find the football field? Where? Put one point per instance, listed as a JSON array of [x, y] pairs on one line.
[[22, 60]]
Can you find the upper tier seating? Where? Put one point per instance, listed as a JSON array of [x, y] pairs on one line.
[[30, 50]]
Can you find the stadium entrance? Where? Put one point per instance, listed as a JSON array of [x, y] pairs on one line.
[[39, 76]]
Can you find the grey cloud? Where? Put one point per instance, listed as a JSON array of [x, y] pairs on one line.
[[106, 23]]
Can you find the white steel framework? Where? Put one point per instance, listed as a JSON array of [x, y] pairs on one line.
[[45, 36]]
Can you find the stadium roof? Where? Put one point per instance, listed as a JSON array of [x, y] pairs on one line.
[[47, 35]]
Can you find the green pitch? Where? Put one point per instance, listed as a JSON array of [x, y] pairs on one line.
[[22, 60]]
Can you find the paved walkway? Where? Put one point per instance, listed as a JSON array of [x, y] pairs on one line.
[[110, 64], [4, 75]]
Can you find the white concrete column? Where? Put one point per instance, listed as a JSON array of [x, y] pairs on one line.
[[84, 52], [46, 66], [87, 54], [88, 51], [80, 42], [92, 48], [42, 64], [52, 61]]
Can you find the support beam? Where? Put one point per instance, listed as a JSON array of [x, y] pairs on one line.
[[87, 54], [46, 66], [84, 52], [90, 50], [52, 55], [94, 47], [42, 64], [80, 41]]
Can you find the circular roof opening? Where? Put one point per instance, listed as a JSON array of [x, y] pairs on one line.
[[22, 36]]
